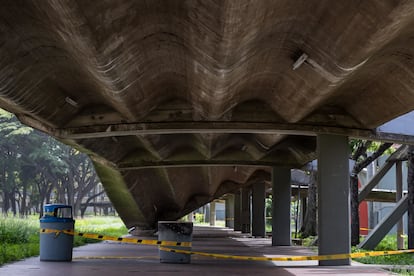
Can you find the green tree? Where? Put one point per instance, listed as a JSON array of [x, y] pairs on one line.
[[78, 180], [37, 169], [47, 163], [360, 154], [12, 151]]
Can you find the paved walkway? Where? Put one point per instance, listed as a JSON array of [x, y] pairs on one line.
[[129, 259]]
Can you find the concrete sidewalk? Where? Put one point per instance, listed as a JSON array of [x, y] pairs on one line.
[[129, 259]]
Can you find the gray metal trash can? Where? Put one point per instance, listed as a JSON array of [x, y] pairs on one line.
[[56, 246], [179, 232]]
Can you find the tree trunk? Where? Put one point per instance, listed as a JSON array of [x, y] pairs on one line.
[[354, 184], [23, 207], [354, 210], [60, 192], [310, 224], [410, 184], [89, 199], [13, 202], [5, 206]]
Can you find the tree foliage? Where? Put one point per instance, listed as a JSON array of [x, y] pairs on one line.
[[36, 169], [363, 153]]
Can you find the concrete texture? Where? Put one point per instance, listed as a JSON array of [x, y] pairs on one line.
[[201, 93], [127, 259], [229, 210], [281, 206], [259, 209], [334, 226]]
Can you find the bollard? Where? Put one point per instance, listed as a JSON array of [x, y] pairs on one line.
[[56, 246], [179, 232]]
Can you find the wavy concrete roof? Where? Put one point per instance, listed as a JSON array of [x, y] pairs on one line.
[[156, 90]]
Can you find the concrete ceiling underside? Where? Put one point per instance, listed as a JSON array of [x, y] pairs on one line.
[[180, 102]]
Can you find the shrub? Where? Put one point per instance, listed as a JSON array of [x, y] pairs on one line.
[[199, 218]]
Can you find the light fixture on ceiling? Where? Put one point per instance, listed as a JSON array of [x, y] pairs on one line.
[[71, 101], [303, 57]]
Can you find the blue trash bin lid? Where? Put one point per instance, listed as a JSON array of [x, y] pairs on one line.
[[57, 213]]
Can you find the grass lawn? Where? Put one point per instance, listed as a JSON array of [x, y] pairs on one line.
[[390, 243], [19, 238]]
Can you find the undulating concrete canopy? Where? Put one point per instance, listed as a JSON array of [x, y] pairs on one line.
[[180, 102]]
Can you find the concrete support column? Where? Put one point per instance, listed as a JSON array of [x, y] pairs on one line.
[[230, 211], [190, 217], [399, 195], [334, 203], [259, 210], [237, 211], [245, 210], [206, 210], [212, 213], [303, 211], [371, 217], [282, 192], [410, 196]]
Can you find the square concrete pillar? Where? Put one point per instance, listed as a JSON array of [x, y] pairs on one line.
[[245, 210], [229, 211], [281, 189], [213, 213], [237, 211], [333, 198], [259, 209]]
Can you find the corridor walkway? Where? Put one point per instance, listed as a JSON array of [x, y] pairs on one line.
[[129, 259]]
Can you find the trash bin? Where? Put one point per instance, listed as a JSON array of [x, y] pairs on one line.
[[56, 246], [179, 232]]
